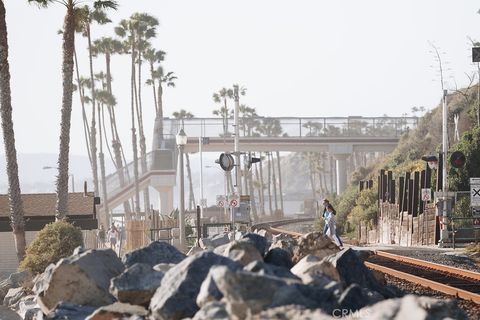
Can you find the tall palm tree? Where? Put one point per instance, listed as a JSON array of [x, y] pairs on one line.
[[221, 97], [108, 47], [66, 111], [157, 74], [17, 221], [126, 30], [280, 182], [182, 115], [84, 17]]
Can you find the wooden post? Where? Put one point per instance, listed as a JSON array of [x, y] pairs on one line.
[[384, 187], [416, 193], [362, 184], [410, 196], [392, 191], [370, 184], [406, 194], [428, 176], [389, 185], [401, 188]]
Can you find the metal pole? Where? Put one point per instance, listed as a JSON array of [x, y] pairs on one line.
[[444, 142], [73, 183], [238, 169], [199, 228], [200, 147], [181, 213]]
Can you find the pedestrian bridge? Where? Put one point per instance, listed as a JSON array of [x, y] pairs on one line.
[[339, 136]]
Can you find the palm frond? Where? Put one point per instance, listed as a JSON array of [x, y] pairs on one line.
[[105, 4]]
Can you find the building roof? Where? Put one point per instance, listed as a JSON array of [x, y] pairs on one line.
[[43, 204]]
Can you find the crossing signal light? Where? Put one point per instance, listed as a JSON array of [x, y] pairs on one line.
[[252, 160], [457, 159]]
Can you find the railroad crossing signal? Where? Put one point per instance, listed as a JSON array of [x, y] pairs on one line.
[[457, 159], [426, 194], [234, 203]]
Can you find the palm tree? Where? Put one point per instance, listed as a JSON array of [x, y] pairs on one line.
[[157, 73], [126, 30], [84, 17], [14, 193], [66, 111], [108, 46], [221, 97], [182, 115]]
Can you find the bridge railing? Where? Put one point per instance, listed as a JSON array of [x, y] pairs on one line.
[[293, 127]]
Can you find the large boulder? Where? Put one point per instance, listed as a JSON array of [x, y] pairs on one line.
[[175, 298], [284, 241], [263, 268], [153, 254], [13, 296], [345, 266], [137, 284], [82, 279], [313, 272], [28, 308], [242, 252], [119, 311], [291, 312], [411, 307], [14, 280], [214, 241], [69, 311], [356, 297], [8, 314], [279, 257], [314, 243], [248, 293], [214, 310], [259, 242]]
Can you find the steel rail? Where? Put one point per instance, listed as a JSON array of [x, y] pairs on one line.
[[466, 295], [431, 265]]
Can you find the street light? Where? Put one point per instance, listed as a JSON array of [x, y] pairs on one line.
[[70, 175], [181, 140]]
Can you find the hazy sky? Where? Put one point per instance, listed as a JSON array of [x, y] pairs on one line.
[[297, 58]]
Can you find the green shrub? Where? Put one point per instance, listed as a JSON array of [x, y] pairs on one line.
[[55, 241]]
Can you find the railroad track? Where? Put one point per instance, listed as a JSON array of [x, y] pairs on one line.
[[461, 283], [272, 226], [449, 280]]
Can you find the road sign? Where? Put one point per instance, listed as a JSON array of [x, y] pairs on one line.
[[426, 194], [234, 203], [203, 203], [475, 192]]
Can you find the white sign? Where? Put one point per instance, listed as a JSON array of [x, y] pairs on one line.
[[475, 192], [203, 203], [426, 194]]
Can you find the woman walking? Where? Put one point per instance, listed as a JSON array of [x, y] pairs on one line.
[[332, 228]]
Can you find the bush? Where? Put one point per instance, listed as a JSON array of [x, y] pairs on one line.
[[55, 241]]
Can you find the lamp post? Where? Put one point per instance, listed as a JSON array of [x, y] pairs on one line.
[[70, 175], [181, 140]]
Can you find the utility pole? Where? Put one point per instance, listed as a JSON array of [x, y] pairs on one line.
[[444, 141], [238, 168], [200, 149]]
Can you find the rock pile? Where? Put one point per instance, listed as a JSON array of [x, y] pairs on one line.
[[254, 277]]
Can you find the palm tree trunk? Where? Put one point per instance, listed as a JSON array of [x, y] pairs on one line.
[[86, 129], [17, 221], [134, 135], [160, 109], [269, 184], [93, 132], [101, 158], [274, 180], [143, 146], [280, 183], [66, 112], [332, 173], [191, 201]]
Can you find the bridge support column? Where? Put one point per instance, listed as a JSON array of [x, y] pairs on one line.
[[166, 199], [341, 164], [340, 153]]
